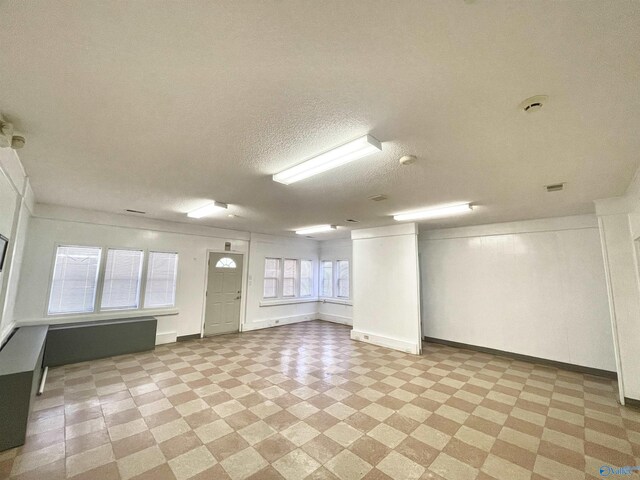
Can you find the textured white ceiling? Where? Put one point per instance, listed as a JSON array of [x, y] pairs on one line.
[[161, 105]]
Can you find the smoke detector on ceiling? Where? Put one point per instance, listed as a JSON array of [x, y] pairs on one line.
[[408, 159], [8, 137], [378, 198], [533, 104]]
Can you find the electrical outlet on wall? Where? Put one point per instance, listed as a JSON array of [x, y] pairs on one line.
[[366, 337]]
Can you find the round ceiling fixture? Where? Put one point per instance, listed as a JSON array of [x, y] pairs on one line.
[[17, 142], [535, 103], [408, 159]]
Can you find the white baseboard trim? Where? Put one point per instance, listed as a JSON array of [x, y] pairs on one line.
[[166, 337], [276, 322], [388, 342], [6, 331], [341, 319]]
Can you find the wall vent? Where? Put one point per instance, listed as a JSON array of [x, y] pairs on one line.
[[378, 198], [556, 187], [135, 211]]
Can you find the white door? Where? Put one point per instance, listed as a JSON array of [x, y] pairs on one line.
[[224, 291]]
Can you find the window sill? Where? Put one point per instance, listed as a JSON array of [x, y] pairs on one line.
[[287, 301], [105, 315], [337, 301]]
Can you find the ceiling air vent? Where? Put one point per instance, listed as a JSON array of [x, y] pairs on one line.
[[135, 211], [378, 198], [556, 187]]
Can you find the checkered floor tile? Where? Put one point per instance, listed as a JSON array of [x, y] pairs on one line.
[[304, 401]]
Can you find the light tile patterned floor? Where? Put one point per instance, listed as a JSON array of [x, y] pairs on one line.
[[304, 401]]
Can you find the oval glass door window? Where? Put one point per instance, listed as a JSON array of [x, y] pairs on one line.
[[226, 262]]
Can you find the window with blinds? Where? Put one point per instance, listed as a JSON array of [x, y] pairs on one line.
[[289, 276], [326, 279], [271, 274], [162, 272], [75, 280], [306, 278], [122, 279], [342, 267]]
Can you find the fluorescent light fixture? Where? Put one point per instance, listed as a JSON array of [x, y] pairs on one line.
[[335, 157], [434, 212], [316, 229], [207, 209]]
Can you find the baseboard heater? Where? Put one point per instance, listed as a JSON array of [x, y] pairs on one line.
[[80, 342]]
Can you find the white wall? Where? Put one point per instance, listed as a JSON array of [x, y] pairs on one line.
[[535, 288], [51, 225], [386, 284], [335, 310], [619, 221], [263, 313], [16, 199]]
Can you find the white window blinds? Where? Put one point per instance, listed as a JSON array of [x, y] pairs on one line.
[[161, 280], [326, 279], [271, 273], [122, 278], [75, 278], [306, 278], [289, 277], [343, 278]]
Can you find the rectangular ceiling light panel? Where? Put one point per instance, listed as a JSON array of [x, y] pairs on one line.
[[207, 209], [316, 229], [434, 212], [341, 155]]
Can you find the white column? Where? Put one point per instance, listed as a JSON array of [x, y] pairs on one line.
[[386, 286], [619, 230]]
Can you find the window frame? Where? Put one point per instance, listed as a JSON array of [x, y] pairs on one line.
[[96, 297], [279, 298], [296, 278], [145, 273], [334, 280], [102, 274], [97, 303], [337, 277], [311, 279], [277, 278]]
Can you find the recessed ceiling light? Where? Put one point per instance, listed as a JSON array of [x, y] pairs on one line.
[[207, 209], [328, 160], [316, 229], [434, 212]]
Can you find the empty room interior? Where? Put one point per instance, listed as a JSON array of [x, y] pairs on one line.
[[293, 239]]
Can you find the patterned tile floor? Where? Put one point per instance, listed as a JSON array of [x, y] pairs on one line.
[[304, 401]]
